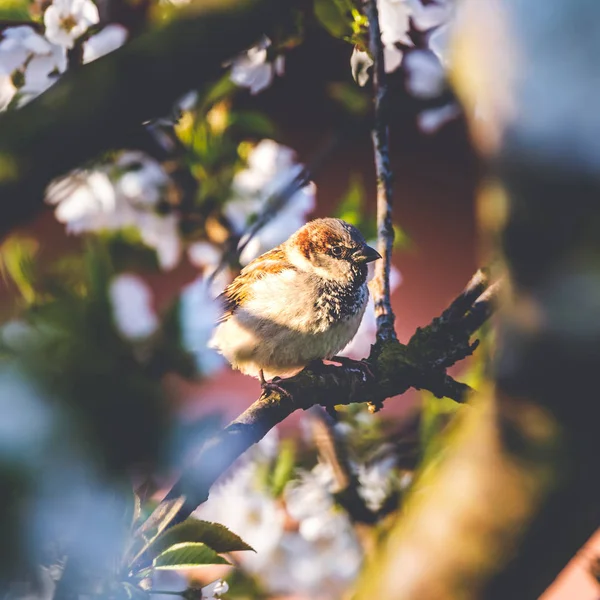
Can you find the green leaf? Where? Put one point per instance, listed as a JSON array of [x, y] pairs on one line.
[[190, 554], [214, 535], [336, 16]]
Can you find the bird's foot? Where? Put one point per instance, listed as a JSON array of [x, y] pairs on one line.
[[362, 365], [273, 386]]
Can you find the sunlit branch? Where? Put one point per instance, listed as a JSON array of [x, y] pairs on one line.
[[394, 368]]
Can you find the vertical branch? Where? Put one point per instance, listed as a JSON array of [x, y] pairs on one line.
[[381, 146], [333, 452]]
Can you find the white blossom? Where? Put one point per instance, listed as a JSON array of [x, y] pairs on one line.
[[253, 70], [430, 15], [67, 20], [42, 71], [319, 559], [425, 74], [324, 556], [198, 313], [394, 23], [86, 201], [375, 481], [439, 41], [360, 62], [7, 91], [113, 36], [433, 119], [17, 45], [204, 255], [271, 167], [214, 590], [143, 180], [116, 196], [22, 49], [160, 232], [131, 301], [249, 512], [309, 501], [168, 581]]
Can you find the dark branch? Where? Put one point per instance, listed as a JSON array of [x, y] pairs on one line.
[[332, 451], [99, 106], [381, 145], [448, 338], [395, 368]]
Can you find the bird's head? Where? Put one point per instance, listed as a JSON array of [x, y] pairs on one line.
[[332, 248]]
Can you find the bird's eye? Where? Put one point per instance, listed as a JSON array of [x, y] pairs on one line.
[[337, 250]]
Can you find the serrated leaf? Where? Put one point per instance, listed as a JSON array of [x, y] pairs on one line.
[[214, 535], [189, 554]]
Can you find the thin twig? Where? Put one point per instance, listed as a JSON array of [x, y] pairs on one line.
[[381, 146]]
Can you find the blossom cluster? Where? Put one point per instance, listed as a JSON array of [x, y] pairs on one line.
[[116, 195], [425, 67], [304, 544], [32, 60], [254, 69], [127, 192]]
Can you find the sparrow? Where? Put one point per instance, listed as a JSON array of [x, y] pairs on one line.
[[300, 302]]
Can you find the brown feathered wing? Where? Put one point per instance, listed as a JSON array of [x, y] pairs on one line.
[[239, 290]]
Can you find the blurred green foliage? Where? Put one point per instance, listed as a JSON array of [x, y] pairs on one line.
[[352, 209], [15, 10], [343, 19], [68, 344]]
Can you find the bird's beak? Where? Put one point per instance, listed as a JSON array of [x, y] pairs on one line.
[[366, 254]]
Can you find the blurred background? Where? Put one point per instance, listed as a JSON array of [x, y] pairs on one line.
[[93, 308]]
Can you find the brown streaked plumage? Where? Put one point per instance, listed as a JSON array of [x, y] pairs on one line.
[[299, 302]]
